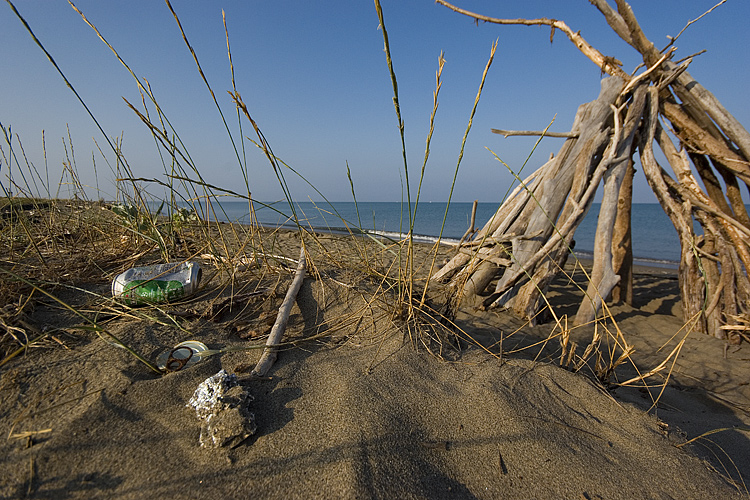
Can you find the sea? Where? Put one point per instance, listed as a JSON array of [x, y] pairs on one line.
[[655, 241]]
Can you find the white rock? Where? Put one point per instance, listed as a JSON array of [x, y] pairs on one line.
[[222, 406]]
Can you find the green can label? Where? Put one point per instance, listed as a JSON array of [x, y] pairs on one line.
[[152, 291]]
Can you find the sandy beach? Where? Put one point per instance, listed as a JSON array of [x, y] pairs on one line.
[[364, 409]]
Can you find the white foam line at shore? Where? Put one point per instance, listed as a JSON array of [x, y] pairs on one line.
[[421, 238]]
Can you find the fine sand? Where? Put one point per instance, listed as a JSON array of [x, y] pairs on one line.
[[364, 410]]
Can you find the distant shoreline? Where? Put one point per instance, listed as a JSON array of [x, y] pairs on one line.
[[655, 244]]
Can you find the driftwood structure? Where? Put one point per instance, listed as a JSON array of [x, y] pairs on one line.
[[525, 243]]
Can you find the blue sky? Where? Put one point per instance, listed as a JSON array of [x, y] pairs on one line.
[[314, 77]]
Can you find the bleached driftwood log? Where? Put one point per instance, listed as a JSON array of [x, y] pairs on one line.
[[622, 241], [603, 278]]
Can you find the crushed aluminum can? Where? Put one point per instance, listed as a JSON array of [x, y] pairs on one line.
[[157, 284]]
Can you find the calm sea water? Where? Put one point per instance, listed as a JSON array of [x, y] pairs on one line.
[[655, 240]]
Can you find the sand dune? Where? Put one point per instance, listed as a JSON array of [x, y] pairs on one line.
[[365, 412]]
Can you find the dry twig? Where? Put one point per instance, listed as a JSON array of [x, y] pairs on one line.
[[277, 332]]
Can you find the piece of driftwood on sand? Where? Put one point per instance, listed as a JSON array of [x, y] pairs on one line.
[[277, 331]]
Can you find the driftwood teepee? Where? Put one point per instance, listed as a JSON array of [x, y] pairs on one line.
[[528, 239]]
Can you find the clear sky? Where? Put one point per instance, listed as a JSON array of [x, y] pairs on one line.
[[314, 77]]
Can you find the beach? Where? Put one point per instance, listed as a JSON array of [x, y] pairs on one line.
[[366, 402]]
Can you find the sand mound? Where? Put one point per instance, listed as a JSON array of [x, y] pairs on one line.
[[359, 413]]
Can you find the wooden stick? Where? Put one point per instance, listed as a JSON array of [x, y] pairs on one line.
[[622, 241], [696, 138], [692, 289], [535, 133], [277, 332], [471, 229], [608, 65], [673, 39]]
